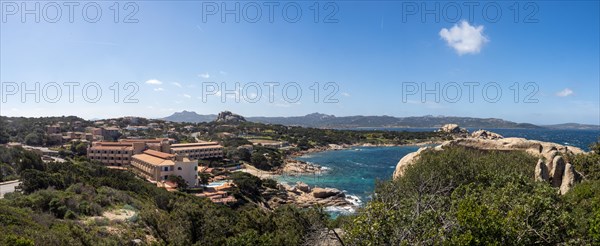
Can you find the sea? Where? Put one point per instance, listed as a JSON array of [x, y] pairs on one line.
[[356, 170]]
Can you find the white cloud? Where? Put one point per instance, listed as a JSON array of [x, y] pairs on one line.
[[159, 89], [223, 72], [565, 93], [465, 39], [346, 94], [204, 75], [187, 96], [176, 84], [154, 82]]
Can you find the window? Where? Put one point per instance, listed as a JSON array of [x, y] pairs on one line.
[[165, 169], [179, 168]]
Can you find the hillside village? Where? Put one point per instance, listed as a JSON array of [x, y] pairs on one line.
[[198, 158]]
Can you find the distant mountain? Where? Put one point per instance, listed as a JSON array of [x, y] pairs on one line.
[[331, 121], [190, 116], [574, 126]]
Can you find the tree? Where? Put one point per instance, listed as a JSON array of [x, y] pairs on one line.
[[34, 139], [32, 180], [260, 161], [248, 184], [29, 160], [266, 158], [244, 154], [203, 178], [588, 163], [79, 148], [4, 137], [181, 184]]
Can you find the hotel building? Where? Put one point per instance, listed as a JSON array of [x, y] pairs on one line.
[[158, 166], [197, 151], [114, 153], [120, 153]]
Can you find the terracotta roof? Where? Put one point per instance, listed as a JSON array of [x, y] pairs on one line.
[[153, 160], [111, 144], [155, 140], [194, 144], [102, 147], [197, 147], [159, 154]]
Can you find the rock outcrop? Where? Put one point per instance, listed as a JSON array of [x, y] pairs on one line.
[[486, 135], [326, 192], [557, 171], [302, 187], [407, 160], [229, 117], [551, 166], [541, 171], [569, 178], [452, 128], [304, 196]]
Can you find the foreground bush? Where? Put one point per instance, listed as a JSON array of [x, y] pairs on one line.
[[470, 197]]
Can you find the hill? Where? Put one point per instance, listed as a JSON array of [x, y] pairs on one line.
[[331, 121], [574, 126], [190, 116]]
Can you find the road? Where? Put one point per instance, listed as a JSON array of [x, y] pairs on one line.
[[7, 187]]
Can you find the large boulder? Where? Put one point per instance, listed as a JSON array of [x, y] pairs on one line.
[[568, 179], [541, 171], [302, 187], [557, 171], [325, 192], [452, 128], [408, 159]]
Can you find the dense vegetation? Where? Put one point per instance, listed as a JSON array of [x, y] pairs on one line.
[[457, 196], [13, 161], [471, 197], [32, 130], [67, 204]]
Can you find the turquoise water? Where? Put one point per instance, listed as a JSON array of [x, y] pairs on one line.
[[355, 170]]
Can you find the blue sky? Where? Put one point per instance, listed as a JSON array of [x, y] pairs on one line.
[[371, 52]]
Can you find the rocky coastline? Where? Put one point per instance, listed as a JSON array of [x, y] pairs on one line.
[[551, 166], [303, 195]]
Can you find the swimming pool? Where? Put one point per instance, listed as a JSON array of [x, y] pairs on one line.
[[217, 183]]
